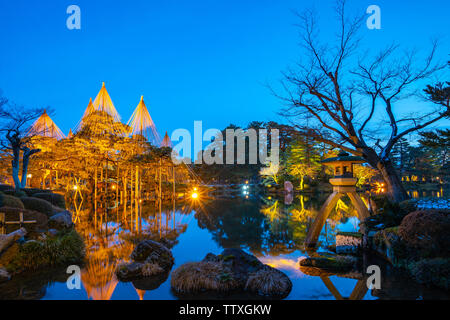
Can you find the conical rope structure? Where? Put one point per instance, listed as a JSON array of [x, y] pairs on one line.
[[45, 127], [141, 124]]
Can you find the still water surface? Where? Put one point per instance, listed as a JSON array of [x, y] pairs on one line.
[[273, 230]]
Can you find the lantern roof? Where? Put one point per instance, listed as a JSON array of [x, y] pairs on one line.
[[344, 157]]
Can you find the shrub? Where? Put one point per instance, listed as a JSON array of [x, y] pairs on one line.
[[390, 214], [5, 187], [432, 271], [12, 214], [194, 277], [31, 191], [427, 231], [51, 252], [269, 281], [54, 198], [10, 201], [17, 194], [37, 204]]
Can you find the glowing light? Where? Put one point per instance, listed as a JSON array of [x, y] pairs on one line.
[[29, 176], [269, 185], [246, 181], [75, 187], [195, 189], [194, 195], [269, 198], [113, 187], [246, 197]]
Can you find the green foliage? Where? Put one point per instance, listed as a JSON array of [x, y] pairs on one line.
[[31, 191], [65, 249], [17, 194], [10, 201], [389, 213], [5, 187], [432, 271], [37, 204], [54, 198]]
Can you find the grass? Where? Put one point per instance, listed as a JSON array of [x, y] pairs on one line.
[[151, 269], [51, 252], [268, 282], [194, 277]]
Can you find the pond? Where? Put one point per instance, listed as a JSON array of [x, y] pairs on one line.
[[271, 229]]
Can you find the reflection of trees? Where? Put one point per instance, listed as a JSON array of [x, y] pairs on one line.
[[111, 236], [266, 227]]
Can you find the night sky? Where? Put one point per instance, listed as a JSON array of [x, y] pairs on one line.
[[192, 60]]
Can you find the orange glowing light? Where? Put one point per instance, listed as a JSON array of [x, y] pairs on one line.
[[194, 195]]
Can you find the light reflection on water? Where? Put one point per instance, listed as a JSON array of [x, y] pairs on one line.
[[270, 230]]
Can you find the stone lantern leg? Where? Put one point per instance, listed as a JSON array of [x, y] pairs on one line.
[[343, 184]]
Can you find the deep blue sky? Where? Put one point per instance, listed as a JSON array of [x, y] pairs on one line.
[[192, 60]]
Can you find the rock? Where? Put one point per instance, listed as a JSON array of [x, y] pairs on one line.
[[149, 259], [333, 264], [153, 252], [4, 275], [7, 240], [52, 232], [62, 220], [129, 271], [232, 271]]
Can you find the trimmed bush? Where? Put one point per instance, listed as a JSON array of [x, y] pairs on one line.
[[432, 271], [37, 204], [31, 191], [17, 194], [5, 187], [12, 214], [54, 198], [427, 232], [10, 201]]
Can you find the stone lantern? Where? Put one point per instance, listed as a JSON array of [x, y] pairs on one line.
[[343, 184]]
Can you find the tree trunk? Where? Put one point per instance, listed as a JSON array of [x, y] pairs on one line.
[[25, 161], [395, 189], [15, 163]]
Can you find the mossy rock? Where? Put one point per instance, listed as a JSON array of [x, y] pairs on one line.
[[233, 271], [55, 199], [11, 201], [332, 263], [66, 248], [38, 204]]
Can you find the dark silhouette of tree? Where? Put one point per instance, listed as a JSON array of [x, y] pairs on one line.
[[334, 97], [15, 137]]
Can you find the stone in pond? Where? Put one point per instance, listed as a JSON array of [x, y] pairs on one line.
[[148, 259], [230, 272], [62, 220]]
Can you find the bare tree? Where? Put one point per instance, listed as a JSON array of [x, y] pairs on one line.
[[15, 137], [344, 94]]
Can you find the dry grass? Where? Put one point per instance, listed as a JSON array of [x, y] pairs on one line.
[[194, 277], [151, 269], [269, 282]]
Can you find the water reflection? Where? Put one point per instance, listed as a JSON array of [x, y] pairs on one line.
[[274, 230]]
